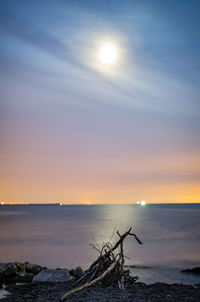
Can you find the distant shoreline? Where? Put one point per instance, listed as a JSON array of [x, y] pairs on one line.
[[95, 204]]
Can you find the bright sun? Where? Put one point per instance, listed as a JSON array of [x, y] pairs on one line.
[[108, 54]]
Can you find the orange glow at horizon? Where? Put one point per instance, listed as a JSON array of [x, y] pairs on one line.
[[153, 194], [125, 179]]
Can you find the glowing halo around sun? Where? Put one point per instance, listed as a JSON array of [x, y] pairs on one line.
[[108, 54]]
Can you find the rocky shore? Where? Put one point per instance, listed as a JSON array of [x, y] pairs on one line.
[[34, 283], [19, 272]]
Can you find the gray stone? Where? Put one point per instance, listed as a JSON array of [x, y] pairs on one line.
[[53, 275]]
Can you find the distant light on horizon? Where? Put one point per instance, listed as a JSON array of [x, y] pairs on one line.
[[2, 203], [142, 203]]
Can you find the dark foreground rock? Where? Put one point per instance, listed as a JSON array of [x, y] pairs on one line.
[[77, 273], [139, 292], [14, 272], [1, 278], [32, 268], [194, 270]]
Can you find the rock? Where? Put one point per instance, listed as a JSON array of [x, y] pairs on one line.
[[53, 275], [18, 272], [194, 270], [33, 268], [77, 273], [9, 273], [28, 277], [20, 266], [1, 278], [3, 266], [10, 270]]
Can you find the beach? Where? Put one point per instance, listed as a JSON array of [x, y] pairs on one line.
[[140, 292], [36, 289]]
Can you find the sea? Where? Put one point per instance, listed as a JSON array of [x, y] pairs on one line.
[[64, 237]]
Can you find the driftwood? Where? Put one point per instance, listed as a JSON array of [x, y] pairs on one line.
[[115, 247], [108, 268], [77, 289]]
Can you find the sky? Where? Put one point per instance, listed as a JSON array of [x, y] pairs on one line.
[[76, 130]]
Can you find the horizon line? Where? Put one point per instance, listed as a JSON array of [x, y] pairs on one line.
[[88, 203]]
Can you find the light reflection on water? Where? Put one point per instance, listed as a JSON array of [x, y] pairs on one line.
[[57, 236]]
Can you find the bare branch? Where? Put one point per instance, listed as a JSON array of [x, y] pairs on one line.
[[113, 265]]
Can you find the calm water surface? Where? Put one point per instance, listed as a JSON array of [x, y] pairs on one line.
[[59, 236]]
